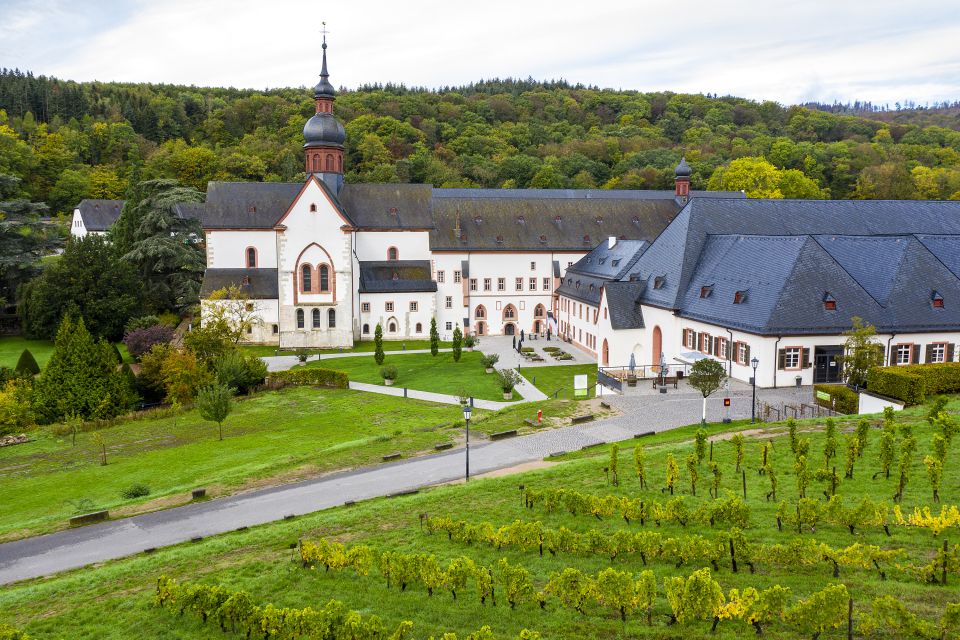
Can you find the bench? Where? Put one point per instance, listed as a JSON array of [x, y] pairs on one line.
[[581, 419], [531, 423], [443, 446], [604, 405], [392, 456], [503, 434], [668, 380]]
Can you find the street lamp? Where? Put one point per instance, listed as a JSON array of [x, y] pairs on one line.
[[467, 409], [753, 408]]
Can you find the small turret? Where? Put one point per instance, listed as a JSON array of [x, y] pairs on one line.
[[681, 176]]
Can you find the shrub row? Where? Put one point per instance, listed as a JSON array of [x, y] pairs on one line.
[[846, 399], [234, 610], [914, 383], [318, 377]]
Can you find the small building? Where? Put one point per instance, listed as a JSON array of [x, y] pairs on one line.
[[94, 217]]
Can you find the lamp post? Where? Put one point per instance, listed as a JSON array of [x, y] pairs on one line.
[[467, 409], [753, 407]]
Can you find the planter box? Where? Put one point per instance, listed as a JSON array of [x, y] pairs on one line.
[[388, 382], [488, 370], [508, 395]]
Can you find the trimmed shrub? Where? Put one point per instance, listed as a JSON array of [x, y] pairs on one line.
[[317, 377], [138, 490], [139, 341], [388, 372], [526, 349], [913, 383], [27, 364], [847, 400]]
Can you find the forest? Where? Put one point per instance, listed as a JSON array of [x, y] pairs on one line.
[[67, 140]]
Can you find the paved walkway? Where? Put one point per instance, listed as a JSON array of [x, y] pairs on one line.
[[74, 548], [529, 392], [282, 363]]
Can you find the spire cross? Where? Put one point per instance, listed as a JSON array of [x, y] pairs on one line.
[[324, 31]]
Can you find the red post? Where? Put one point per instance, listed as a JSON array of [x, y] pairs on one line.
[[539, 416]]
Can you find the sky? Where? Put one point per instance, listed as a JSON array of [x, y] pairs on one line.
[[883, 51]]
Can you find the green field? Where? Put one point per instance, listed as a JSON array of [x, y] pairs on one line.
[[270, 438], [11, 347], [424, 372], [115, 600], [559, 379]]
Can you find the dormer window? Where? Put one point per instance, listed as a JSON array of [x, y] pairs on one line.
[[936, 300], [602, 260], [599, 219], [557, 219], [396, 276], [543, 239], [393, 211], [245, 281], [477, 219], [586, 239], [615, 263], [739, 297], [577, 285], [252, 208], [635, 220], [591, 288], [499, 239], [521, 220], [659, 281], [706, 290], [829, 302]]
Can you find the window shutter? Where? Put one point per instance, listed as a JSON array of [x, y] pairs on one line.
[[747, 355], [929, 356], [729, 351], [950, 352], [893, 355], [805, 358], [782, 359], [716, 346], [915, 353]]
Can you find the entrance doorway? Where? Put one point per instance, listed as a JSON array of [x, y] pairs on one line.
[[826, 364], [509, 329], [657, 346], [606, 353]]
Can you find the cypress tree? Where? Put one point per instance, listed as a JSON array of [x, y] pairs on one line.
[[378, 354], [434, 337], [27, 364], [457, 344]]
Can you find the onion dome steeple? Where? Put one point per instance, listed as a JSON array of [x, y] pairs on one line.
[[324, 135], [681, 176], [683, 169]]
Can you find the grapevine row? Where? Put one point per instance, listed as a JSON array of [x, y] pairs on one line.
[[235, 611]]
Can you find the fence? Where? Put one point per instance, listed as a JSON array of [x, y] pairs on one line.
[[614, 377], [767, 412]]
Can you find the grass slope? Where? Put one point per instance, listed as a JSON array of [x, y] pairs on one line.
[[424, 372], [559, 379], [12, 346], [114, 601]]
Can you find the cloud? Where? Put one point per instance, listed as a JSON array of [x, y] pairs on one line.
[[789, 52]]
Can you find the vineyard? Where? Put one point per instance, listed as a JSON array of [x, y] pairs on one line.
[[830, 529]]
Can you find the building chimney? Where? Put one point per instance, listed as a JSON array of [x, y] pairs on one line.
[[611, 242]]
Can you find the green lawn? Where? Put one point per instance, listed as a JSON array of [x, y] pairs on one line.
[[113, 601], [425, 372], [277, 435], [366, 346], [12, 346], [559, 379]]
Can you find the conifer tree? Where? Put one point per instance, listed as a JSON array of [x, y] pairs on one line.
[[27, 364], [457, 344], [378, 354], [434, 337], [82, 378]]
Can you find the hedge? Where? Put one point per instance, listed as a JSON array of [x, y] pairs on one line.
[[847, 400], [913, 383], [318, 377]]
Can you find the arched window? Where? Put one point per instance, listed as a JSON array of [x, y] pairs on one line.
[[480, 312], [330, 162], [251, 258], [509, 312], [306, 278], [419, 327], [393, 254], [540, 311], [340, 164], [366, 328], [324, 278], [316, 163], [313, 208], [392, 327], [299, 318], [316, 318], [331, 318]]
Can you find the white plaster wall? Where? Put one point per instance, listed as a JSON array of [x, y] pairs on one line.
[[870, 403], [77, 228], [406, 320], [411, 245], [578, 322], [228, 249]]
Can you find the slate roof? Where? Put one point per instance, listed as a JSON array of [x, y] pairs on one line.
[[396, 275], [247, 205], [388, 206], [261, 284], [189, 210], [586, 277], [623, 302], [880, 260], [99, 215]]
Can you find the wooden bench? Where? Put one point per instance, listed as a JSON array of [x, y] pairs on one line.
[[443, 446], [581, 419], [503, 434], [668, 380], [392, 456]]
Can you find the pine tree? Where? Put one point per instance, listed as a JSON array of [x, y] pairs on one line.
[[27, 364], [378, 354], [434, 337]]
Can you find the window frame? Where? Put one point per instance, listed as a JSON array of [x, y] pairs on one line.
[[896, 352], [501, 284], [414, 306], [448, 302], [473, 284], [787, 351], [364, 307], [518, 284], [388, 306], [441, 276], [943, 353], [457, 276]]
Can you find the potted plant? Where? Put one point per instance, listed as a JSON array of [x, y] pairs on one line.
[[489, 362], [469, 342], [389, 374], [508, 380]]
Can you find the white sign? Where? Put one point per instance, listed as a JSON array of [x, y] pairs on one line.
[[580, 385]]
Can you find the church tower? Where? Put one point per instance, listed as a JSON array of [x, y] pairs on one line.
[[323, 134], [682, 181]]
